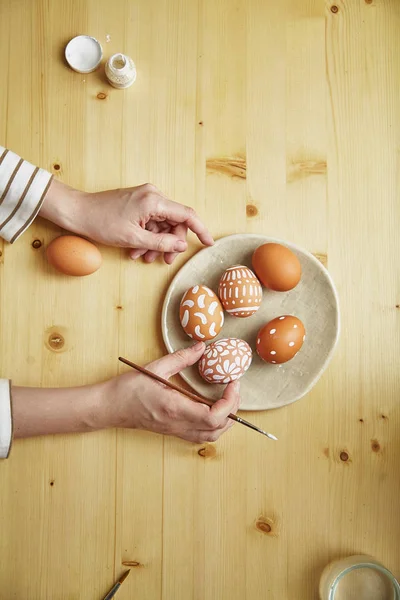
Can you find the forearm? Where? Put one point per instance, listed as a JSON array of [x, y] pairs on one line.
[[41, 411], [63, 205]]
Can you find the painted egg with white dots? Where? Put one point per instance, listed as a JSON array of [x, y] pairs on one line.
[[201, 313], [225, 360], [240, 292], [280, 339]]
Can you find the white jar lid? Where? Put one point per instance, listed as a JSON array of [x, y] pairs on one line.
[[83, 53]]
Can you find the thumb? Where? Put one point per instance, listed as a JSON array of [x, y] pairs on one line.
[[161, 242], [175, 363], [229, 403]]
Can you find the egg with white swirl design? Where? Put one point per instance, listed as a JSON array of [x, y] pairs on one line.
[[225, 360], [201, 313], [240, 292]]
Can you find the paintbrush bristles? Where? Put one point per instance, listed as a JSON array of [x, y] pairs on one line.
[[124, 576], [269, 435]]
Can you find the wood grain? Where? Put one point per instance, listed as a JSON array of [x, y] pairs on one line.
[[294, 108]]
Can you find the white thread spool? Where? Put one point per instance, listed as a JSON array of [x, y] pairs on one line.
[[120, 71]]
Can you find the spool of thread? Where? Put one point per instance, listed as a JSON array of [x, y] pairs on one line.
[[120, 71]]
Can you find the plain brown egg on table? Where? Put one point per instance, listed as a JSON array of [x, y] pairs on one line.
[[73, 255]]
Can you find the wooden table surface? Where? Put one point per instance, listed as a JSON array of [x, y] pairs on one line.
[[275, 117]]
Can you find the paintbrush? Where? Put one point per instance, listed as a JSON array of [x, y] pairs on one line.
[[116, 587], [193, 396]]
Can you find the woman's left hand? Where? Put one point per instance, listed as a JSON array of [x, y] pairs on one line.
[[139, 218]]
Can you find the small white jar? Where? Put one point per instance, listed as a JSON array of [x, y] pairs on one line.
[[120, 71]]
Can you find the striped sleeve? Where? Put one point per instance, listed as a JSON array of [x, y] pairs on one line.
[[22, 191], [5, 418]]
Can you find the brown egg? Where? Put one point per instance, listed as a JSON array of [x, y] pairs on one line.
[[240, 291], [73, 255], [277, 267], [225, 360], [201, 313], [280, 339]]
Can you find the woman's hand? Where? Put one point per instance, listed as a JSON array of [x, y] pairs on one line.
[[139, 218], [138, 402], [131, 400]]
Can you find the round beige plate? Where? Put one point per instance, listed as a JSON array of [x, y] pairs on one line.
[[314, 301]]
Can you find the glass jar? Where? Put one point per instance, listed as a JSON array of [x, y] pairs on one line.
[[358, 578]]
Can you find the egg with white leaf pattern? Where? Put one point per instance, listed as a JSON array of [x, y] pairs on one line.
[[225, 360], [201, 313]]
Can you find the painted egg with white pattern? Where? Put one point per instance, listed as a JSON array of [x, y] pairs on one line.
[[225, 360], [201, 313], [280, 339], [240, 292]]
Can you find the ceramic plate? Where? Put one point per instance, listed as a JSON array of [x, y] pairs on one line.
[[314, 301]]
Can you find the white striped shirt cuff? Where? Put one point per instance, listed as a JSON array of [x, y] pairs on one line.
[[22, 191], [5, 418]]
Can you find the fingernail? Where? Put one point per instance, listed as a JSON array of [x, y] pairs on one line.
[[198, 346], [237, 385], [180, 246]]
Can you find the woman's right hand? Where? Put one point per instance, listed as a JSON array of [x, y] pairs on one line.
[[136, 401]]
